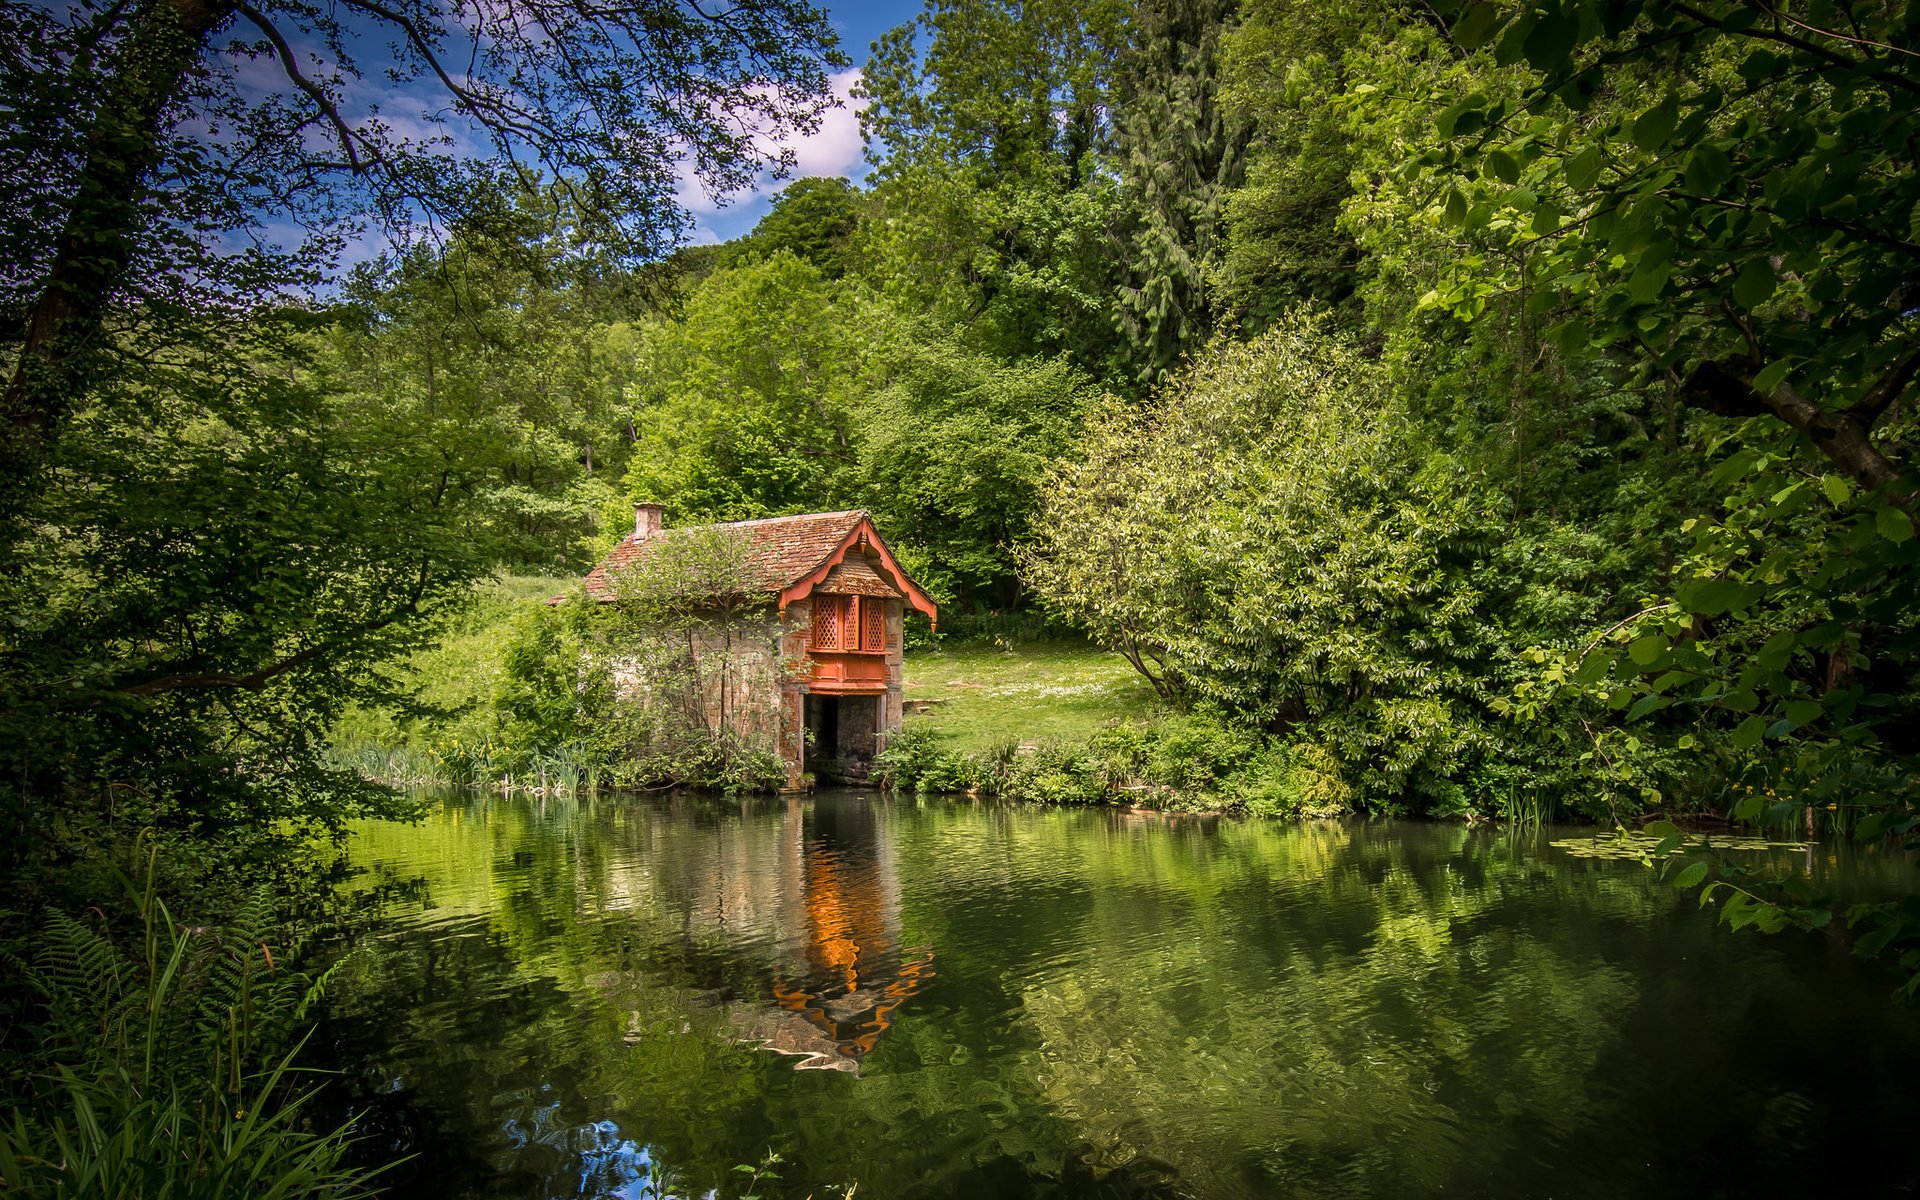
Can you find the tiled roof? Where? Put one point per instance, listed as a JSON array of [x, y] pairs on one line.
[[778, 550], [853, 577]]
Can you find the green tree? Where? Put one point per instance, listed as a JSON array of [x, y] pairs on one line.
[[1744, 217], [988, 127], [499, 349], [1179, 150], [1721, 196], [1012, 90], [813, 219], [1285, 69], [223, 563], [741, 405], [206, 555], [1266, 541], [952, 451]]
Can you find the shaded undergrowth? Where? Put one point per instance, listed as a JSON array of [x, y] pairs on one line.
[[143, 1056]]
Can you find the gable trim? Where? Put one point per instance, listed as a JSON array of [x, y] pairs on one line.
[[863, 533]]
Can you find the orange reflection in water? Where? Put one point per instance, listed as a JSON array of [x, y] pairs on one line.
[[857, 974]]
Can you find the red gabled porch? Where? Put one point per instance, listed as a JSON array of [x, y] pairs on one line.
[[847, 645]]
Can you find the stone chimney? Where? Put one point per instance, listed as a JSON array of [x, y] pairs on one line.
[[646, 520]]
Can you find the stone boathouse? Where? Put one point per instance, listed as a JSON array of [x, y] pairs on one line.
[[817, 674]]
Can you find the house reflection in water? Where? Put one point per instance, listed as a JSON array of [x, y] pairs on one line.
[[846, 973]]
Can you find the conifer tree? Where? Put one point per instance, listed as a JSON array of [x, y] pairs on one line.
[[1179, 151]]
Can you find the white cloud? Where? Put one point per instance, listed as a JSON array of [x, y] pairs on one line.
[[834, 148]]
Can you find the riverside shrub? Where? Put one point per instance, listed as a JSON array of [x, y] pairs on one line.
[[1188, 761], [1265, 542]]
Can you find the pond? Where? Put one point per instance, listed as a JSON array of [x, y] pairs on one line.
[[938, 998]]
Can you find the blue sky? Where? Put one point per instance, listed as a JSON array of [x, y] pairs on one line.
[[834, 149], [413, 113]]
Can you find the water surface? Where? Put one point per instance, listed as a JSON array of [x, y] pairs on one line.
[[934, 998]]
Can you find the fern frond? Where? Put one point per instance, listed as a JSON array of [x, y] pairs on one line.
[[82, 978], [317, 989], [75, 960]]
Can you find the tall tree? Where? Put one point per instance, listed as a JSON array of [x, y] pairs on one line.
[[1741, 207], [1265, 537], [1285, 70], [988, 126], [500, 348], [954, 445], [1179, 151], [225, 559], [206, 554], [1014, 91]]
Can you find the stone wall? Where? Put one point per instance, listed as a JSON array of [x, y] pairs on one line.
[[754, 679], [742, 671], [896, 670], [743, 681]]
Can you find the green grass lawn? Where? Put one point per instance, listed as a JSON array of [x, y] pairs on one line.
[[985, 695], [459, 671]]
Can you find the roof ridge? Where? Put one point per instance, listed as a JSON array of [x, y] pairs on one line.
[[839, 512], [837, 546], [636, 538], [776, 550]]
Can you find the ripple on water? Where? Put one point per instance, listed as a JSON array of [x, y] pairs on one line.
[[570, 999]]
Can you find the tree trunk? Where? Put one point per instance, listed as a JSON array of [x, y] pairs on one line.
[[65, 328], [1844, 436]]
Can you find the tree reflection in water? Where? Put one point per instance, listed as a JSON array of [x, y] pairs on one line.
[[571, 999]]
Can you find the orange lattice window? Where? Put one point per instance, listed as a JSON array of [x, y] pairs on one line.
[[829, 619], [873, 625]]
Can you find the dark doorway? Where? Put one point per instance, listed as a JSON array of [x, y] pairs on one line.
[[842, 737], [823, 727]]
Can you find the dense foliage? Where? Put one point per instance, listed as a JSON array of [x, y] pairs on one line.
[[229, 507], [1264, 542], [164, 1067], [1450, 409]]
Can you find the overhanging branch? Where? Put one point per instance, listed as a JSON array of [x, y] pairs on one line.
[[1843, 436], [1882, 395], [314, 92], [258, 678]]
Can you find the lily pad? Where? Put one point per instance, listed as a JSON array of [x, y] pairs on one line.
[[1640, 845]]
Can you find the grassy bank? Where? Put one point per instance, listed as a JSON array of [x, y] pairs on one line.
[[463, 669], [457, 679], [975, 695], [1064, 722], [980, 696]]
